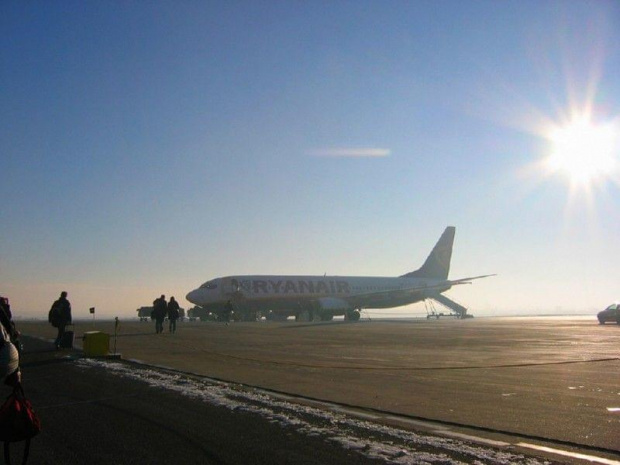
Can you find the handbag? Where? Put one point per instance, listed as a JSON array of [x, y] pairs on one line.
[[18, 422]]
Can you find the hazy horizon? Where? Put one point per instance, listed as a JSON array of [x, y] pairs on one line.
[[366, 317]]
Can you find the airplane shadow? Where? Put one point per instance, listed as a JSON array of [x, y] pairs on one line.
[[361, 322], [323, 323]]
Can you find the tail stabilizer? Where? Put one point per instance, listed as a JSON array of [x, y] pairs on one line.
[[437, 265]]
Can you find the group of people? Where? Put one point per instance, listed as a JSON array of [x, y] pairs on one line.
[[161, 309], [60, 315]]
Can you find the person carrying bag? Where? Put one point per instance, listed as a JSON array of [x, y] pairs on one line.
[[60, 316], [18, 422]]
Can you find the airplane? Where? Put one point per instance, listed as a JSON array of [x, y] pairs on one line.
[[320, 298]]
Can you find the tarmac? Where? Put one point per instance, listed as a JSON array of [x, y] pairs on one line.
[[551, 382]]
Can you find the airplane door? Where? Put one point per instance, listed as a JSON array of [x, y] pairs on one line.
[[227, 286], [232, 288]]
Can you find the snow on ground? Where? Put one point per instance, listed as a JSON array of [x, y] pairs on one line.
[[373, 440]]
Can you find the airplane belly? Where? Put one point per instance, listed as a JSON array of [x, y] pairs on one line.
[[270, 303], [389, 302], [289, 304]]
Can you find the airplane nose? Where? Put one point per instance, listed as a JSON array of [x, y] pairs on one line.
[[191, 297]]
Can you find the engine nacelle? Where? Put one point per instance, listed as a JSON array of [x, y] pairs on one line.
[[331, 303]]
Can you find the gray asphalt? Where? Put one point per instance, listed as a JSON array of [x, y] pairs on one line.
[[92, 416], [553, 380]]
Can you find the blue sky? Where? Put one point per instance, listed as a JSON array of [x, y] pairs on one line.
[[149, 146]]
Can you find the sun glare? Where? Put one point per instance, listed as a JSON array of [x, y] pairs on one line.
[[583, 151]]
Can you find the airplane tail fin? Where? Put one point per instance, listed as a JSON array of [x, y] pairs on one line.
[[437, 265]]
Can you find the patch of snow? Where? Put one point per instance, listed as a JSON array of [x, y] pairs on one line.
[[402, 447]]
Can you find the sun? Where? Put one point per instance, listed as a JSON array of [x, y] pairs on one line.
[[583, 151]]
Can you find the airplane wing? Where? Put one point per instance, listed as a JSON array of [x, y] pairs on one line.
[[468, 280], [398, 293], [408, 291]]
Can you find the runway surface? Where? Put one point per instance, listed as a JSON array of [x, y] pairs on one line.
[[553, 382]]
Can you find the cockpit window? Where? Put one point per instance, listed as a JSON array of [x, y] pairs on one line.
[[209, 285]]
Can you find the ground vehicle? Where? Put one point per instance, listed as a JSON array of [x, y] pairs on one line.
[[611, 313], [144, 313]]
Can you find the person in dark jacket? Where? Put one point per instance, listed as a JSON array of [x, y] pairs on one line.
[[173, 315], [9, 345], [6, 318], [160, 309], [60, 316]]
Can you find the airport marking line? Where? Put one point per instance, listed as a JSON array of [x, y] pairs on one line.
[[410, 421], [445, 431], [348, 411], [399, 368], [370, 439], [442, 430], [436, 428], [589, 458], [468, 437], [372, 417]]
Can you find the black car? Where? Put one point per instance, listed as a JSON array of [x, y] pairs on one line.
[[611, 313]]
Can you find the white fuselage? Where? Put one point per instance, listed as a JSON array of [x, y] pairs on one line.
[[325, 296], [335, 294]]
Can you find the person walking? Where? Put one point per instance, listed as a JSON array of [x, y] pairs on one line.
[[160, 308], [60, 316], [173, 315]]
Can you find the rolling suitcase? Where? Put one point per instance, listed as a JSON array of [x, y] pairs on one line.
[[66, 342]]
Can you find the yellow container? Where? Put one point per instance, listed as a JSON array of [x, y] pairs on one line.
[[96, 343]]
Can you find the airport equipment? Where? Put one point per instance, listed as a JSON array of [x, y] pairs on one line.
[[456, 309], [198, 313], [144, 313], [96, 343], [117, 324], [431, 311], [66, 341]]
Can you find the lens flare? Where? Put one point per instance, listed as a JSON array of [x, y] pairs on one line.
[[583, 151]]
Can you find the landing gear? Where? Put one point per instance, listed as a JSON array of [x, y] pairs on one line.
[[249, 316], [352, 315], [275, 317]]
